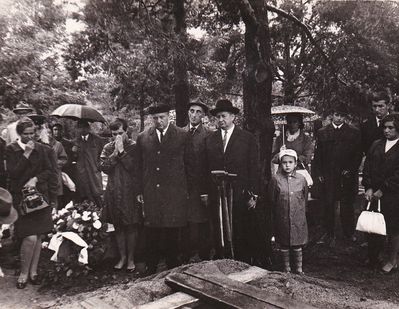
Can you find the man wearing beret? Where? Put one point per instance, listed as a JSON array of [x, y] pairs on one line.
[[163, 176], [198, 235], [336, 161], [235, 151]]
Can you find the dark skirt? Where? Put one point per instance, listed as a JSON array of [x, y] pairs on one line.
[[35, 223], [121, 214], [391, 216]]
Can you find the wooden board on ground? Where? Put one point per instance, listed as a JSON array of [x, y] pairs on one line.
[[180, 300], [228, 292]]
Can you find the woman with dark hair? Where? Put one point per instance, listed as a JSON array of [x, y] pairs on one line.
[[121, 209], [381, 182], [29, 166], [295, 139]]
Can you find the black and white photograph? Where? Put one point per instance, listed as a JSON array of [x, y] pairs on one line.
[[164, 154]]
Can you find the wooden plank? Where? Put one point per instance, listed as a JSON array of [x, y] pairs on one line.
[[228, 292], [179, 299]]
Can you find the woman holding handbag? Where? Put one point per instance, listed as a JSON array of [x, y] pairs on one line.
[[381, 182], [33, 185]]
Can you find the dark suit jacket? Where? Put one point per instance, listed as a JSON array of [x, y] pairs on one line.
[[381, 172], [164, 171], [370, 133], [241, 158], [196, 211], [336, 152]]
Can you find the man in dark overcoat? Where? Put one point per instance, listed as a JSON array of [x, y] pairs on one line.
[[235, 151], [164, 172], [198, 236], [371, 130], [86, 152], [336, 161]]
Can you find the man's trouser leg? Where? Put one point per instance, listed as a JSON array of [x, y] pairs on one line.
[[153, 240], [375, 247], [347, 214]]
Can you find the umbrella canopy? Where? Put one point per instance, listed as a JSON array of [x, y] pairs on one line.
[[76, 111], [290, 109]]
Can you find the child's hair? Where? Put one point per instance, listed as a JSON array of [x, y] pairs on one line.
[[288, 152]]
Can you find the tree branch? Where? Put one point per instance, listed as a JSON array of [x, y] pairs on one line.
[[247, 12], [309, 35]]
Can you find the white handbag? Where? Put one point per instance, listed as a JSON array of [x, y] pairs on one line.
[[372, 222]]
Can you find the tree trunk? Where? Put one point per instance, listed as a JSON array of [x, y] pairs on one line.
[[180, 87], [257, 81]]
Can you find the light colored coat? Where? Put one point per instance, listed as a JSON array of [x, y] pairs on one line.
[[289, 195]]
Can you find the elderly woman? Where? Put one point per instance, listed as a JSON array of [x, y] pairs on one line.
[[30, 165], [381, 182], [295, 139]]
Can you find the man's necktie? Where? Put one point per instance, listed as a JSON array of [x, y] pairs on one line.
[[161, 135], [224, 139], [192, 130]]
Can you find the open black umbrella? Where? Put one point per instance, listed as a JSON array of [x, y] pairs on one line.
[[76, 112]]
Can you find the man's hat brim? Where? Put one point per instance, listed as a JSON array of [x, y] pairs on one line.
[[231, 109], [11, 218], [22, 110], [156, 109], [202, 105]]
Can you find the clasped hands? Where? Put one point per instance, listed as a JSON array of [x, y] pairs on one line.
[[370, 195], [119, 148]]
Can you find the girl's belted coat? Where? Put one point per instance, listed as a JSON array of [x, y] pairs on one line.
[[289, 195]]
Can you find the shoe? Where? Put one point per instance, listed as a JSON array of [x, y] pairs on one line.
[[35, 280], [21, 284], [130, 269], [389, 268]]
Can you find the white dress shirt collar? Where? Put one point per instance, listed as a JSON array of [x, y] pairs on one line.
[[229, 132], [163, 132], [390, 144], [337, 127], [22, 145]]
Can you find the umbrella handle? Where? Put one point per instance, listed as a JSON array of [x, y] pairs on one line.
[[283, 135]]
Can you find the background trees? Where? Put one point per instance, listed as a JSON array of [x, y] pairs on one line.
[[131, 53]]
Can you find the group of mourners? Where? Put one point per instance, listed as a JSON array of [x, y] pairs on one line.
[[160, 187]]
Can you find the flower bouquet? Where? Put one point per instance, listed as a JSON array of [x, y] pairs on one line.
[[78, 240]]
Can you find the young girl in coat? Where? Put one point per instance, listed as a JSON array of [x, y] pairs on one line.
[[288, 192]]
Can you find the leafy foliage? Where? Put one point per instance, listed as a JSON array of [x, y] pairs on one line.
[[31, 69]]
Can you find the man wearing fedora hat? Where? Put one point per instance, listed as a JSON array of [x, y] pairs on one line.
[[163, 177], [22, 109], [197, 238], [336, 161], [235, 151]]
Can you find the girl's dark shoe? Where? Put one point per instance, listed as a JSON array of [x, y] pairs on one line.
[[35, 280], [21, 284]]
